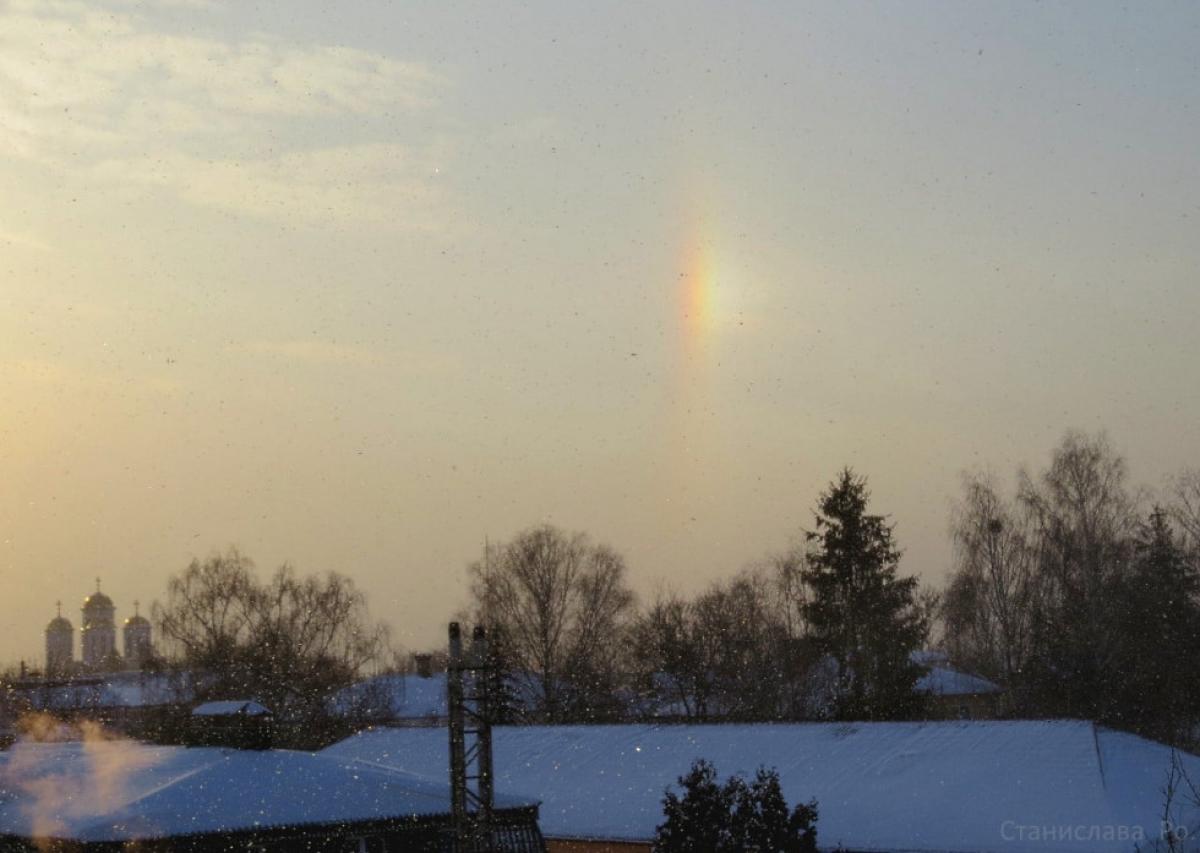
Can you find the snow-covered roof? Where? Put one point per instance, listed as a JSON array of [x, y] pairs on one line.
[[408, 696], [1015, 786], [943, 679], [394, 697], [116, 690], [231, 708], [121, 790], [946, 681]]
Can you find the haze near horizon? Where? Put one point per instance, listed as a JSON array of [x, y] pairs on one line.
[[360, 287]]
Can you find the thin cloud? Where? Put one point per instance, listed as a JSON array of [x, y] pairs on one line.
[[99, 95], [71, 56], [196, 5], [378, 183]]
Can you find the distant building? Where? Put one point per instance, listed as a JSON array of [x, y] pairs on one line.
[[950, 693], [138, 649], [60, 646], [394, 699], [133, 702], [98, 640], [99, 631], [240, 723]]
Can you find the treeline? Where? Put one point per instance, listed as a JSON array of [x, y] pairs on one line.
[[1077, 594], [1080, 594], [827, 630]]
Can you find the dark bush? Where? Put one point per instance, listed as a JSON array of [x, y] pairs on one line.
[[734, 817]]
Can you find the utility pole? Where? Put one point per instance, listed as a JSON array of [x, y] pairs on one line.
[[470, 685]]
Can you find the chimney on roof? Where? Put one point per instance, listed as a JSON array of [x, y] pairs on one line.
[[424, 664]]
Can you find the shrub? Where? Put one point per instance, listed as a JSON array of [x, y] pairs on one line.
[[734, 817]]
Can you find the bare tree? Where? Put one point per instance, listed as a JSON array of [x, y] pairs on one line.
[[785, 572], [290, 642], [1084, 520], [1084, 513], [988, 602], [728, 653], [313, 636], [1185, 508], [668, 654], [210, 608], [1181, 802], [1080, 606], [559, 604], [757, 666]]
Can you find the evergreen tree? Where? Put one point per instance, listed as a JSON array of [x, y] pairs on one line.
[[863, 617], [760, 818], [734, 817], [1151, 689], [802, 828], [699, 821]]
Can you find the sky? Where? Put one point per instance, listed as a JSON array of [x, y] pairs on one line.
[[361, 286]]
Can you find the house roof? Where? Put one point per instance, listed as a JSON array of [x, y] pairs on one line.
[[408, 696], [947, 681], [938, 787], [121, 790], [941, 678], [231, 708], [115, 690], [394, 696]]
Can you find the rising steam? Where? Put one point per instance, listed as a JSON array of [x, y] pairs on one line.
[[63, 774]]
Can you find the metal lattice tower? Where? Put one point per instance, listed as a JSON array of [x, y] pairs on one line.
[[470, 683]]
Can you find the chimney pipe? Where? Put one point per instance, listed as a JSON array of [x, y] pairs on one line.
[[424, 664]]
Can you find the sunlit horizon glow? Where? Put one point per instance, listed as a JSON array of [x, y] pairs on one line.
[[352, 288]]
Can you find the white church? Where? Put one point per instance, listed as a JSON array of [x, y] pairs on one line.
[[98, 639]]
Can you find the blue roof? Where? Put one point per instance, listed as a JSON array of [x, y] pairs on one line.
[[231, 708], [939, 787], [119, 790]]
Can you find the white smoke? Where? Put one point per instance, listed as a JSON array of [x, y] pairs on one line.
[[61, 775]]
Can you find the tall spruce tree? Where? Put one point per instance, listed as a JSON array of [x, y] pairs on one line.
[[862, 615], [1150, 686]]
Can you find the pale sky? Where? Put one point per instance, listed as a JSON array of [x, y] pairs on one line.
[[358, 285]]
